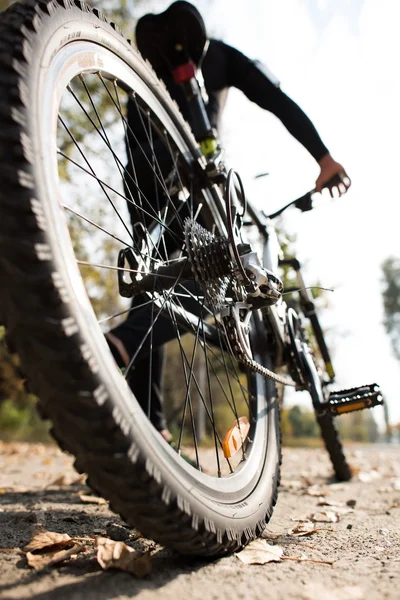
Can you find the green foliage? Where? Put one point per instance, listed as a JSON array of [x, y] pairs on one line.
[[391, 301], [18, 417], [221, 391], [11, 380], [299, 426], [22, 423], [359, 426], [4, 4]]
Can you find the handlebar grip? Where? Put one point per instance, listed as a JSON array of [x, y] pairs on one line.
[[335, 180]]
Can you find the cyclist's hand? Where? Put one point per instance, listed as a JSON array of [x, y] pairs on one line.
[[332, 177]]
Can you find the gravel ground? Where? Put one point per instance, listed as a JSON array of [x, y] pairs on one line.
[[353, 552]]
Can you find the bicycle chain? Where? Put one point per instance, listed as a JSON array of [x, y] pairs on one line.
[[211, 264]]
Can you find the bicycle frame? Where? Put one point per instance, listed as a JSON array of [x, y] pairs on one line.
[[270, 251]]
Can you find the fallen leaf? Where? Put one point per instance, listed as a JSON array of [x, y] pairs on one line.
[[92, 499], [40, 561], [325, 516], [259, 552], [316, 490], [302, 519], [68, 479], [306, 528], [334, 503], [117, 555], [47, 539]]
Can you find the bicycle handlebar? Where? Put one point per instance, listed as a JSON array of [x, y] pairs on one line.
[[305, 203]]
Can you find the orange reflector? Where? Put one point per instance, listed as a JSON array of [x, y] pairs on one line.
[[350, 407], [235, 437]]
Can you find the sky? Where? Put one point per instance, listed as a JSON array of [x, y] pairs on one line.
[[338, 59]]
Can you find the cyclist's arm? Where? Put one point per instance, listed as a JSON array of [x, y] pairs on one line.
[[253, 80], [262, 88]]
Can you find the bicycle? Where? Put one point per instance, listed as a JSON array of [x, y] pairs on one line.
[[187, 264]]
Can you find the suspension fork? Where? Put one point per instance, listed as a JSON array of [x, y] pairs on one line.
[[185, 76], [308, 307]]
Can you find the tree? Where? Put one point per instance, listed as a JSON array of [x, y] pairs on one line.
[[391, 302], [4, 4], [16, 405]]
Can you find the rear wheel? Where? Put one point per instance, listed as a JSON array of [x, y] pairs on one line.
[[76, 170]]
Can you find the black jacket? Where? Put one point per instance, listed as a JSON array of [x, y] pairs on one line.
[[224, 67]]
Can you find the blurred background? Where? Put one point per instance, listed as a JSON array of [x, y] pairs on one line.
[[338, 60]]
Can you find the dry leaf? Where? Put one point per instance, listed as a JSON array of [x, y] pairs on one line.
[[48, 539], [325, 516], [40, 561], [307, 528], [269, 535], [117, 555], [316, 490], [69, 479], [334, 503], [302, 519], [259, 552], [92, 499]]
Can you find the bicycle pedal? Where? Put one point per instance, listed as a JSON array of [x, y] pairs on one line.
[[345, 401]]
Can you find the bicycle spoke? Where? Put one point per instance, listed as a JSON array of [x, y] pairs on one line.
[[76, 213], [159, 179], [198, 387], [208, 384], [97, 179]]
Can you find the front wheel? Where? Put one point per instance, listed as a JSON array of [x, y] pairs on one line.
[[95, 159]]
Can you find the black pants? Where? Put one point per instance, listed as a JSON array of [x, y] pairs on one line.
[[146, 194]]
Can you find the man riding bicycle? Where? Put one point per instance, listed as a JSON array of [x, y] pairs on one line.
[[163, 39]]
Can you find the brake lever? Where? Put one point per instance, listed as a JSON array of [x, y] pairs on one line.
[[305, 203]]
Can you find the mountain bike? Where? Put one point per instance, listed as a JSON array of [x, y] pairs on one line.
[[196, 275]]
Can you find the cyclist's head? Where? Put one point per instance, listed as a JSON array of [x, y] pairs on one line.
[[172, 37]]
